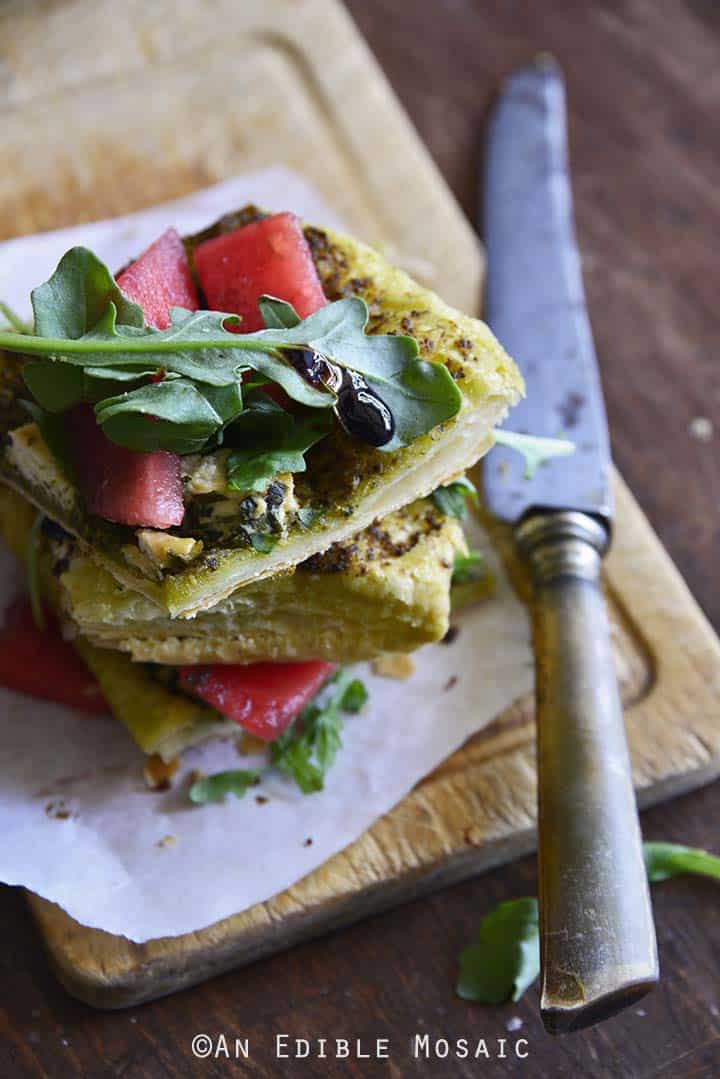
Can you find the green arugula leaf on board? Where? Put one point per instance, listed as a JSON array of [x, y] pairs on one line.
[[504, 959], [90, 341], [268, 440], [32, 563], [535, 450], [468, 567], [452, 499], [665, 860], [214, 788]]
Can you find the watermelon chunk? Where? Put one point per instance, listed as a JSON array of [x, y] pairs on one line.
[[41, 664], [122, 485], [264, 698], [270, 257], [161, 279]]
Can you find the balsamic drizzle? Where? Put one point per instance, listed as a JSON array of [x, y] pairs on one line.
[[361, 412]]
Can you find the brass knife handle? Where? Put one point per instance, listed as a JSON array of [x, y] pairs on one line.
[[598, 948]]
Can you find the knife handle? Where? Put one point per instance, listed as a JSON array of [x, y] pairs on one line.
[[597, 937]]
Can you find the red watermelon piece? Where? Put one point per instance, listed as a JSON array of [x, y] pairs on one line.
[[270, 257], [161, 279], [122, 485], [41, 664], [264, 698]]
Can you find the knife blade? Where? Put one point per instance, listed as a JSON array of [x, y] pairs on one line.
[[535, 302], [597, 939]]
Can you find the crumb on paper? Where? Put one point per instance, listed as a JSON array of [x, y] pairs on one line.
[[308, 842], [394, 665], [166, 841], [451, 683], [701, 428], [261, 799], [158, 773], [248, 744], [57, 810], [514, 1023], [194, 776]]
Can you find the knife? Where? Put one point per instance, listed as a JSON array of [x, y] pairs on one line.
[[597, 938]]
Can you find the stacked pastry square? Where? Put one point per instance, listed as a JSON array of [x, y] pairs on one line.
[[231, 507]]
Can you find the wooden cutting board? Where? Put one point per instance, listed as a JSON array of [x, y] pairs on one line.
[[162, 99]]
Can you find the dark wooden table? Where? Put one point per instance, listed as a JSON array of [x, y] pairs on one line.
[[644, 91]]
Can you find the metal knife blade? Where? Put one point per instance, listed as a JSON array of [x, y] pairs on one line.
[[535, 302]]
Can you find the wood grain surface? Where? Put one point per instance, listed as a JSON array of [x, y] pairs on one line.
[[644, 96]]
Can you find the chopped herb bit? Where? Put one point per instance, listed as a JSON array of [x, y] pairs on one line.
[[452, 499], [355, 697], [535, 450], [468, 567], [214, 788]]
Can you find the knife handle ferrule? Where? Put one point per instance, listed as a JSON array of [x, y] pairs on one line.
[[598, 949]]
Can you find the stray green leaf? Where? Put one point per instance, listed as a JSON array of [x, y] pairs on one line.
[[664, 860], [468, 567], [535, 450], [452, 499], [504, 958], [32, 563], [214, 788], [308, 748], [355, 697]]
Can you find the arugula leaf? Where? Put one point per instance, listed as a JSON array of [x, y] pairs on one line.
[[272, 441], [90, 341], [214, 788], [664, 860], [277, 314], [174, 414], [307, 749], [468, 567], [535, 450], [32, 562], [77, 297], [504, 958], [452, 499]]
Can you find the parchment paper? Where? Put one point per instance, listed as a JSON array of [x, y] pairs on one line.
[[79, 825]]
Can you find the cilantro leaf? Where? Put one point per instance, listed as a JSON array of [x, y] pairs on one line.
[[535, 450], [214, 788], [504, 958], [664, 860], [452, 499]]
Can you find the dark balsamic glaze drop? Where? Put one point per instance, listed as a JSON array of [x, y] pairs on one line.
[[359, 409]]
